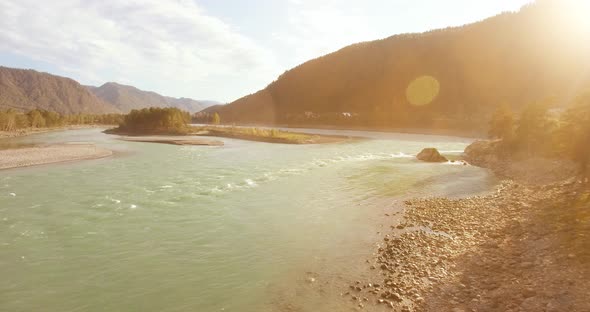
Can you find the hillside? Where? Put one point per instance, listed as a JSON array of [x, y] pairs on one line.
[[512, 58], [127, 98], [190, 105], [24, 90]]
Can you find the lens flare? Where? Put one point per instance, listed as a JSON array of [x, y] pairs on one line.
[[423, 90]]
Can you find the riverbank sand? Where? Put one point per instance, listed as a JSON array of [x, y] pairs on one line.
[[41, 155]]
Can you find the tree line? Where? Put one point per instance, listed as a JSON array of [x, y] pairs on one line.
[[206, 118], [539, 131], [147, 120], [12, 120]]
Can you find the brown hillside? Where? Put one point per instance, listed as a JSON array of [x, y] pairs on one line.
[[127, 98], [24, 90], [512, 58]]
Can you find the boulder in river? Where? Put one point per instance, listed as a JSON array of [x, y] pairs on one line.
[[431, 155]]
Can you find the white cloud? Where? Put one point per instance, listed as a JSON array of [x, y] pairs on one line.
[[176, 48], [169, 46]]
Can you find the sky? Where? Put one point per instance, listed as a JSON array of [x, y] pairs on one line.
[[208, 49]]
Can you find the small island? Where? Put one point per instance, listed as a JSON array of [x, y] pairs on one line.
[[172, 140], [154, 121], [268, 135], [166, 122]]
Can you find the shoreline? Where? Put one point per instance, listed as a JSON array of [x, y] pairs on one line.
[[32, 131], [283, 137], [420, 131], [313, 138], [51, 154], [172, 140], [512, 249]]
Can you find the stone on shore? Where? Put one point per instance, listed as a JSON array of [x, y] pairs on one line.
[[431, 155]]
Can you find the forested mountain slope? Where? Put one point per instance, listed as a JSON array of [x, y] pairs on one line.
[[127, 98], [24, 90], [449, 78]]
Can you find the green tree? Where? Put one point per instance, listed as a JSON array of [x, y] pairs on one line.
[[11, 120], [574, 134], [22, 121], [52, 119], [534, 128], [216, 119], [3, 120], [8, 120], [502, 124], [156, 120], [36, 119]]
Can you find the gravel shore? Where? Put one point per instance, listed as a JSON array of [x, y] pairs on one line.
[[523, 247], [30, 131], [32, 156], [519, 249]]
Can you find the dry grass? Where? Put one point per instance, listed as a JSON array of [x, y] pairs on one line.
[[257, 134]]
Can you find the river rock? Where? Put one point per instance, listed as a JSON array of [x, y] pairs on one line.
[[431, 155]]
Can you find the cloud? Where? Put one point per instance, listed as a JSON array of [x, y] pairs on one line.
[[171, 46], [176, 48]]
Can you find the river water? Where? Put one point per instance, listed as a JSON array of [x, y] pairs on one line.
[[232, 228]]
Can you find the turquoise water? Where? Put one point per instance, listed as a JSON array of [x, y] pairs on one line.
[[172, 228]]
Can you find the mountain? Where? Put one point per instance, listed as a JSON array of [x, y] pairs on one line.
[[209, 103], [190, 105], [127, 98], [448, 78], [25, 90]]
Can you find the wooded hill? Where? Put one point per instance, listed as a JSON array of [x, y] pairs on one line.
[[127, 98], [25, 90], [512, 58]]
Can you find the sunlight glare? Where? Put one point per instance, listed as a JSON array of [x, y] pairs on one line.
[[423, 90], [577, 16]]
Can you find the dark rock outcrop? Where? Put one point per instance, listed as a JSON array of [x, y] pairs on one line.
[[431, 155], [482, 154]]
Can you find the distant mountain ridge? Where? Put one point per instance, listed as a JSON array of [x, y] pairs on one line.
[[26, 89], [127, 98], [513, 58]]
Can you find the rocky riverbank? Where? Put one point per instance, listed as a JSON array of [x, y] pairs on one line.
[[523, 247], [528, 170]]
